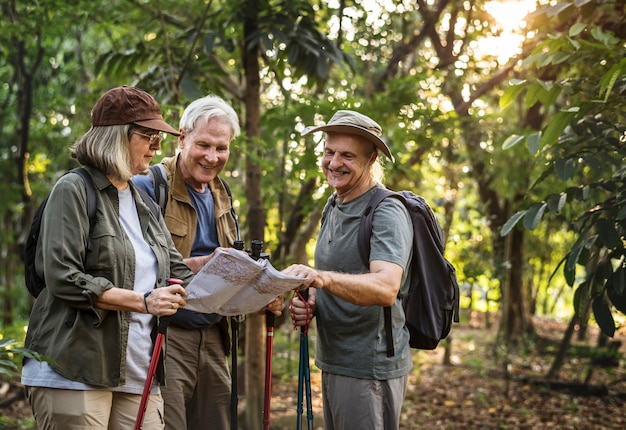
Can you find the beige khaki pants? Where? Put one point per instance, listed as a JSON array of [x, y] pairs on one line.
[[197, 380], [57, 409]]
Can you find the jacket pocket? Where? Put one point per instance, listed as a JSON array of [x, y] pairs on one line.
[[178, 227], [103, 249]]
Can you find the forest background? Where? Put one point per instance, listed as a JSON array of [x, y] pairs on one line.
[[513, 130]]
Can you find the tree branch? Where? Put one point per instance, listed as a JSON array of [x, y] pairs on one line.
[[193, 43]]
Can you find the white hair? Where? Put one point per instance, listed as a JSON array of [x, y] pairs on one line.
[[209, 107]]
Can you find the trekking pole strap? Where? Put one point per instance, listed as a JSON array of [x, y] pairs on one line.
[[304, 296]]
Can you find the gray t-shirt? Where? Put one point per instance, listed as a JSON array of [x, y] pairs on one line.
[[351, 338]]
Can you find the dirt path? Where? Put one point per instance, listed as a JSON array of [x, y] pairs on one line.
[[472, 393]]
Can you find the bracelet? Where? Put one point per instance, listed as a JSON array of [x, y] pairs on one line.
[[145, 302]]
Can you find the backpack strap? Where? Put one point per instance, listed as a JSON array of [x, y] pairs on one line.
[[149, 202], [365, 227], [330, 204], [161, 187], [363, 238], [388, 333], [232, 208], [90, 191]]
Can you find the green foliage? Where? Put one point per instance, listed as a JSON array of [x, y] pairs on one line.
[[11, 355], [8, 356], [583, 144]]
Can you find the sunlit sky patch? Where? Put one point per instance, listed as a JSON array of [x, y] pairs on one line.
[[508, 13], [510, 16]]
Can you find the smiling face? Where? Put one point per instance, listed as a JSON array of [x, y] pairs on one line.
[[204, 152], [144, 143], [346, 162]]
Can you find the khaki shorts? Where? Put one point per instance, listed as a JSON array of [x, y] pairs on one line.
[[58, 409]]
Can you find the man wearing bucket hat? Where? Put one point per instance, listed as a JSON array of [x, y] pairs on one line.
[[361, 386], [106, 278]]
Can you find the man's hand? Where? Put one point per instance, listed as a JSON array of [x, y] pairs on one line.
[[275, 306], [301, 312]]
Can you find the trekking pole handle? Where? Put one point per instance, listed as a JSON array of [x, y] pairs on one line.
[[256, 254], [236, 319], [165, 320], [304, 296]]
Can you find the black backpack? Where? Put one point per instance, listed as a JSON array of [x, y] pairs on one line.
[[432, 302], [34, 283]]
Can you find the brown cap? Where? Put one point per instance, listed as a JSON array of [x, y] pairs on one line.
[[129, 105], [351, 122]]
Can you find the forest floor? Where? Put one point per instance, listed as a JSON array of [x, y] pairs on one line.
[[475, 391]]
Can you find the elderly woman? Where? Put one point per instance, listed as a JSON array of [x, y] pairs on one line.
[[95, 318]]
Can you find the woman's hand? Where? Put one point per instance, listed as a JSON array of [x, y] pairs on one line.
[[166, 300]]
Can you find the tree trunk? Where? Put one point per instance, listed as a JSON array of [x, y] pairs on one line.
[[25, 67], [553, 373], [584, 312], [7, 280], [516, 321], [255, 324], [293, 229]]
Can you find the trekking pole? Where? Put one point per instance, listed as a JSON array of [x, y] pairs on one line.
[[269, 323], [300, 370], [300, 386], [257, 247], [234, 399], [307, 379], [304, 375], [234, 327], [156, 353]]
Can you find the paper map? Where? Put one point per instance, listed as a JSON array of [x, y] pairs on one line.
[[232, 283]]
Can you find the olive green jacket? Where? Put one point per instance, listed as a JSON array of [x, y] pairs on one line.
[[88, 344]]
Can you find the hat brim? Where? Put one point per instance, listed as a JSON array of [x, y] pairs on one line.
[[352, 129], [158, 124]]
